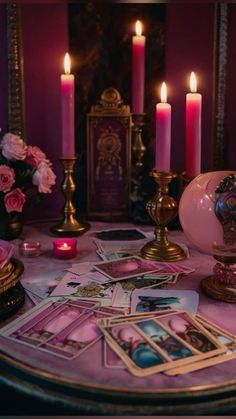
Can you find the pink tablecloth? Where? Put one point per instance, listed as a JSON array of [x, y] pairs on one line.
[[88, 367]]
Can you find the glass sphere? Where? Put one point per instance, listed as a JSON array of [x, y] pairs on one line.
[[207, 212]]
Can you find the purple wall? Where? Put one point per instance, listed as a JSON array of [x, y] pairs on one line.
[[231, 89], [3, 70], [45, 41], [189, 47]]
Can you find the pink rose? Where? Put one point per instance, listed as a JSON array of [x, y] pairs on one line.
[[13, 147], [35, 156], [44, 178], [7, 178], [14, 200]]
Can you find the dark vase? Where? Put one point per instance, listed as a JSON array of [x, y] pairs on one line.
[[11, 226]]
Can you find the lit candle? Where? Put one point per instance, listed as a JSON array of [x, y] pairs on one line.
[[138, 71], [67, 99], [163, 132], [193, 129], [65, 248]]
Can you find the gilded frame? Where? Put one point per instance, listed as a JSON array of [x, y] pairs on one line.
[[15, 62]]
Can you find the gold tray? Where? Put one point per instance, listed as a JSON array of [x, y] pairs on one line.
[[14, 268]]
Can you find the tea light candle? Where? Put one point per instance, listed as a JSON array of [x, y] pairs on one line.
[[65, 248], [30, 248]]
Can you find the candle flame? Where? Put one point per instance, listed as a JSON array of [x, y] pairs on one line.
[[138, 28], [193, 83], [67, 63], [65, 245], [163, 92]]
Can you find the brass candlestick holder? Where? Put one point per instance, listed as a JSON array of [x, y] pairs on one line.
[[70, 225], [138, 146], [162, 208]]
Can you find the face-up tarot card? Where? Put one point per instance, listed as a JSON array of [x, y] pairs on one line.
[[154, 344], [126, 268], [121, 234], [155, 300], [70, 282], [43, 285], [223, 337], [62, 327]]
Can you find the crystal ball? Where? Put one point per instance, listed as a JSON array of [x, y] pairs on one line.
[[207, 212]]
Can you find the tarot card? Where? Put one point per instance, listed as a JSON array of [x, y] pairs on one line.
[[154, 300], [114, 255], [81, 268], [121, 234], [110, 358], [156, 344], [121, 297], [43, 285], [126, 268], [63, 327], [96, 291], [223, 337], [70, 282]]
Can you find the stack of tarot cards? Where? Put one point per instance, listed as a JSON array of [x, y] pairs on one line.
[[172, 342], [62, 327]]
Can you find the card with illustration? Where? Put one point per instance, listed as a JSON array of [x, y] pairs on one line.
[[113, 255], [97, 292], [70, 282], [223, 337], [42, 285], [64, 327], [154, 344], [154, 300], [125, 268], [122, 234]]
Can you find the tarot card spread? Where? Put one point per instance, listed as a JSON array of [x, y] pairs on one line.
[[61, 327], [153, 344]]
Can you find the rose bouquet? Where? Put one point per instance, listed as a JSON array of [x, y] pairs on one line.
[[22, 167]]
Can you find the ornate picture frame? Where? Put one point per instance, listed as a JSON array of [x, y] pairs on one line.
[[108, 157]]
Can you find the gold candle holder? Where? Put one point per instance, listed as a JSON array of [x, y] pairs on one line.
[[162, 208], [138, 146], [69, 226]]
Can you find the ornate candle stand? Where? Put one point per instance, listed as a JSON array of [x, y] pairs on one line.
[[162, 208], [69, 226], [138, 146]]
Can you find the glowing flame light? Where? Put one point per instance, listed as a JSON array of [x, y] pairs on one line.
[[163, 93], [138, 28], [193, 83], [67, 63]]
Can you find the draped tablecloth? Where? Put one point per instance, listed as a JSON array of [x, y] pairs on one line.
[[88, 369]]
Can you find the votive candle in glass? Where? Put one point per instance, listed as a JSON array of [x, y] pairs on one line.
[[65, 248], [30, 248]]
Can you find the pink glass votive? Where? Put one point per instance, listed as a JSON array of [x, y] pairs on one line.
[[65, 248], [30, 248]]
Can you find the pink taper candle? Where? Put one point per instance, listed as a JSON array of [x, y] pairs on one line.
[[193, 129], [163, 132], [67, 100], [138, 70]]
